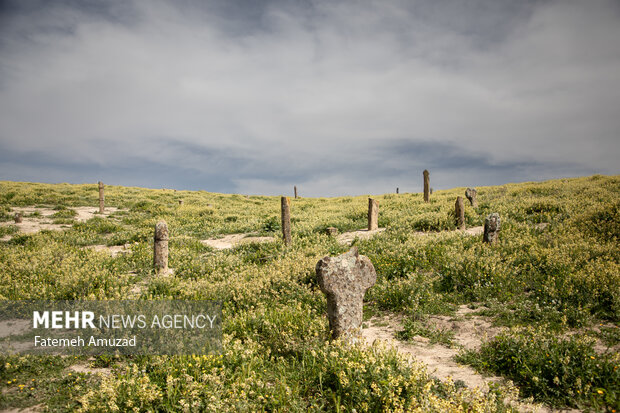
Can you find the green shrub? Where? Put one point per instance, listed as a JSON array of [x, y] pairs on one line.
[[560, 371]]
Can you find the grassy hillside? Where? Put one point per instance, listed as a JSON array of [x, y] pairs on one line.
[[543, 282]]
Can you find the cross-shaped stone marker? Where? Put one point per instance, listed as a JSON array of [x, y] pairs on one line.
[[344, 280]]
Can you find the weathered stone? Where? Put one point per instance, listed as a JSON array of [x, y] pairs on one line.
[[397, 190], [286, 219], [344, 280], [373, 214], [426, 186], [101, 198], [332, 231], [295, 189], [160, 249], [180, 202], [18, 217], [459, 210], [471, 194], [491, 228]]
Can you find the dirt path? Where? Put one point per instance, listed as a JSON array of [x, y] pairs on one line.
[[113, 250], [348, 237], [44, 219], [469, 331], [232, 240]]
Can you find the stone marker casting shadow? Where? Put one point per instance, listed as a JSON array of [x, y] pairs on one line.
[[344, 280], [160, 248], [492, 226], [471, 194]]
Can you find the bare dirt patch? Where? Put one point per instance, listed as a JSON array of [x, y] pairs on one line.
[[43, 219], [474, 231], [86, 213], [30, 409], [87, 369], [113, 250], [348, 237], [470, 330], [437, 357], [14, 327], [232, 240]]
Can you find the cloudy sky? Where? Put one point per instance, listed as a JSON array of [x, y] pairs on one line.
[[336, 97]]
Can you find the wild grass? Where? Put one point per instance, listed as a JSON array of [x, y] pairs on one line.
[[277, 350]]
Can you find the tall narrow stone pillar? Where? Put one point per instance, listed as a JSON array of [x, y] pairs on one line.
[[426, 186], [459, 210], [160, 248], [101, 198], [286, 219], [295, 189], [373, 214]]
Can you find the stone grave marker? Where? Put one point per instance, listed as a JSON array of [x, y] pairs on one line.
[[160, 248], [373, 214], [344, 280], [491, 228]]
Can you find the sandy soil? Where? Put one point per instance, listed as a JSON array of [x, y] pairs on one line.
[[87, 369], [14, 327], [474, 231], [469, 330], [113, 250], [31, 225], [231, 240], [31, 409], [348, 237]]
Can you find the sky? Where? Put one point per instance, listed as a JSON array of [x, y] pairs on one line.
[[346, 97]]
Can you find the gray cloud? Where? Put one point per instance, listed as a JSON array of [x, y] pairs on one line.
[[340, 97]]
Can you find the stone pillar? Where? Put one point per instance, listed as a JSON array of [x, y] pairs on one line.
[[471, 194], [373, 214], [295, 189], [286, 219], [459, 210], [101, 198], [160, 249], [18, 217], [396, 190], [426, 186], [491, 228], [344, 280], [180, 202], [331, 231]]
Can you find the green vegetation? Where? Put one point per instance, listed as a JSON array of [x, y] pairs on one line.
[[562, 278], [564, 371]]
